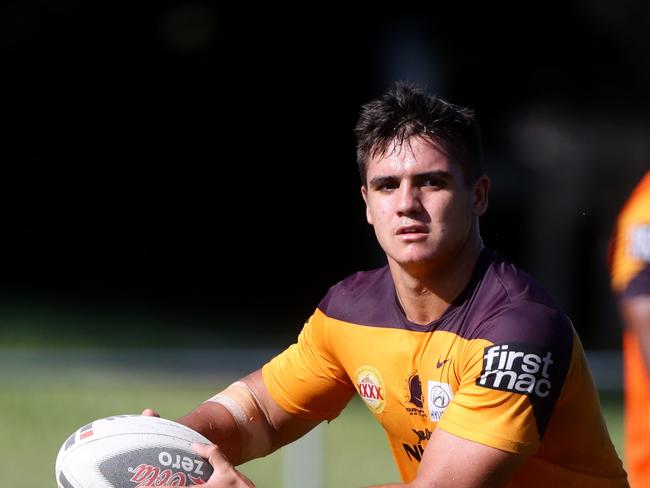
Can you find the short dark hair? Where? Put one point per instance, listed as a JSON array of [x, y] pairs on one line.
[[406, 111]]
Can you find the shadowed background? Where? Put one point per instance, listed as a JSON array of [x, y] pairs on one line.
[[188, 162]]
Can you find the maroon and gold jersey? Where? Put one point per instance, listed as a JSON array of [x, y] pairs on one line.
[[502, 367], [630, 272]]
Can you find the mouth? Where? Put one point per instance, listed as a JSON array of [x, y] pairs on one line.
[[414, 229]]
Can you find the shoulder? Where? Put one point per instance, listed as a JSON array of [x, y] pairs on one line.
[[629, 249], [516, 308], [522, 342], [518, 285], [358, 295]]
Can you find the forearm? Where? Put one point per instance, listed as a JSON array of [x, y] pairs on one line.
[[245, 422], [213, 420], [237, 419]]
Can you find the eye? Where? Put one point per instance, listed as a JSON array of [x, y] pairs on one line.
[[388, 186], [385, 184], [433, 183]]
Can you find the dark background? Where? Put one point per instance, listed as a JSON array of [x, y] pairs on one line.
[[193, 164]]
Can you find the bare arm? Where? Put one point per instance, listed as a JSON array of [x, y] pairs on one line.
[[216, 423], [450, 461]]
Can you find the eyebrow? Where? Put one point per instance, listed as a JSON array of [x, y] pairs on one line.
[[380, 180]]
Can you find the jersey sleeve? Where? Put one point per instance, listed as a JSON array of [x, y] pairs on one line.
[[511, 379], [306, 379]]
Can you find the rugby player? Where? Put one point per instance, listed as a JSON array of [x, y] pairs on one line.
[[474, 373]]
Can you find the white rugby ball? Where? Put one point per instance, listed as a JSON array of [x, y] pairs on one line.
[[131, 451]]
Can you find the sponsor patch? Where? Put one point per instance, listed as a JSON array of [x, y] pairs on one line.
[[415, 390], [370, 386], [423, 435], [438, 399], [517, 368], [414, 452], [414, 396]]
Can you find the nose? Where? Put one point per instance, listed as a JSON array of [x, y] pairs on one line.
[[409, 200]]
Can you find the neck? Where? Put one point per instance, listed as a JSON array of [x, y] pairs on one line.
[[426, 292]]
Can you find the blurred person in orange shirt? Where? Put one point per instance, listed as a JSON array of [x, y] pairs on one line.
[[629, 262]]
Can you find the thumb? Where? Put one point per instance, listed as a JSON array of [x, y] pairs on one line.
[[213, 454]]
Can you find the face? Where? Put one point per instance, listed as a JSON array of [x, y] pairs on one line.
[[418, 202]]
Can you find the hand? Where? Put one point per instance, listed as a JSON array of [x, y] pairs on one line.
[[225, 475]]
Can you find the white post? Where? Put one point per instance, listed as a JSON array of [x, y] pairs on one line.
[[303, 461]]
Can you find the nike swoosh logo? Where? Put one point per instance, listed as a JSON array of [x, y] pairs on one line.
[[440, 364]]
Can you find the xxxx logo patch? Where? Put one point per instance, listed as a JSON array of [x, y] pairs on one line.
[[370, 386]]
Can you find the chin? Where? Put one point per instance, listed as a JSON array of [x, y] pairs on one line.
[[414, 260]]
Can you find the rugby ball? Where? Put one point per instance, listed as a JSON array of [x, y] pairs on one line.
[[131, 451]]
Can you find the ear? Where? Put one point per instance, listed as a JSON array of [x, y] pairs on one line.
[[364, 194], [480, 190]]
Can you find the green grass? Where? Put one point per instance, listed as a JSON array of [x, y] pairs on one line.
[[38, 414], [38, 410], [612, 406]]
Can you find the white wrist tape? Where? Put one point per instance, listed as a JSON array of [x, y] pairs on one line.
[[250, 418]]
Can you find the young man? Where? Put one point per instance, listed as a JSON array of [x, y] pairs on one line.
[[630, 272], [476, 376]]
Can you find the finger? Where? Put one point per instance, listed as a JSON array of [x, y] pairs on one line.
[[213, 454], [150, 413]]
